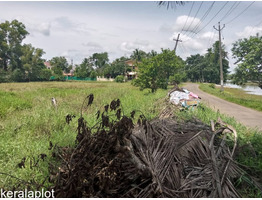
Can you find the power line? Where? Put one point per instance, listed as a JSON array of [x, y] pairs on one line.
[[188, 16], [230, 10], [202, 19], [213, 17], [240, 13], [195, 16]]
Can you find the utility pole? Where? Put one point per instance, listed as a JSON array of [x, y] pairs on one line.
[[220, 56], [177, 40]]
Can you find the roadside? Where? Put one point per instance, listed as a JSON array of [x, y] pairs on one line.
[[246, 116]]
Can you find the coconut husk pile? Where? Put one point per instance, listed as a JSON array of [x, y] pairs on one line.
[[161, 158]]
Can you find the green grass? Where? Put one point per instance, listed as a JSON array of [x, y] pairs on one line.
[[28, 120], [249, 141], [237, 96]]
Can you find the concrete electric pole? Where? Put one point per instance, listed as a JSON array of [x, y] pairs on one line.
[[177, 40], [220, 56]]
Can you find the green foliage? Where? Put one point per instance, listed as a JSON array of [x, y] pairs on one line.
[[26, 131], [11, 36], [4, 76], [248, 53], [206, 68], [93, 75], [138, 55], [59, 64], [177, 78], [18, 75], [117, 67], [120, 79], [45, 74], [155, 72], [11, 102], [84, 69], [32, 62], [100, 59], [194, 68], [212, 85]]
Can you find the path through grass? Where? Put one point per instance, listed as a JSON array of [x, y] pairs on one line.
[[234, 95]]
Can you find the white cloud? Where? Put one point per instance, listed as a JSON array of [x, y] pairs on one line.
[[249, 30], [186, 23], [129, 47]]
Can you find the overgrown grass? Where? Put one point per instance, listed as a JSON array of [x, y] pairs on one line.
[[234, 95], [249, 153], [29, 121]]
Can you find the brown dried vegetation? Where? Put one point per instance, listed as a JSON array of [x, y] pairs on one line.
[[160, 158]]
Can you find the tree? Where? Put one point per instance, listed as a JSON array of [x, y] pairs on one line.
[[206, 68], [117, 67], [11, 37], [59, 64], [138, 55], [100, 59], [154, 72], [84, 69], [211, 71], [194, 68], [32, 62], [248, 52]]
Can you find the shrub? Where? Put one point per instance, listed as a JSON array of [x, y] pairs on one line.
[[120, 79], [212, 85]]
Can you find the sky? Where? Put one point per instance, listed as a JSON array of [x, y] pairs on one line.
[[77, 29]]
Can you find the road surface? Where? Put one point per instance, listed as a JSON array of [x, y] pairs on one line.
[[246, 116]]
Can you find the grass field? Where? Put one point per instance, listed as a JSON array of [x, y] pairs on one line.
[[237, 96], [28, 121]]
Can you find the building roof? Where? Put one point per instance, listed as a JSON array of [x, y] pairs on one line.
[[47, 64]]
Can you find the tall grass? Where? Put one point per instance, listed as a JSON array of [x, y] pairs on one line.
[[29, 121]]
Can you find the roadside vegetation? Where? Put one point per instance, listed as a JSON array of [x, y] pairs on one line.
[[29, 121], [249, 153], [234, 95]]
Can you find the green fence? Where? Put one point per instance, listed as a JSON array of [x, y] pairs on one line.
[[69, 78]]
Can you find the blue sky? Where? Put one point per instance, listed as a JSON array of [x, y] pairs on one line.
[[78, 29]]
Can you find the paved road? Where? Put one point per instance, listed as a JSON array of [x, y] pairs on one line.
[[246, 116]]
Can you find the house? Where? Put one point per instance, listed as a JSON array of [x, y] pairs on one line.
[[70, 74], [48, 65], [133, 74]]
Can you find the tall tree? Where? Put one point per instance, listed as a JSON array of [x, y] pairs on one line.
[[195, 65], [59, 64], [11, 36], [248, 52], [138, 55], [33, 63], [117, 67], [100, 59], [84, 69]]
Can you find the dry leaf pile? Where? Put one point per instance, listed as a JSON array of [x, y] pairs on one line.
[[159, 158]]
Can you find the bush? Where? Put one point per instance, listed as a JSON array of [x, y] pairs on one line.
[[18, 75], [212, 85], [45, 74], [93, 75], [4, 76], [120, 79]]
